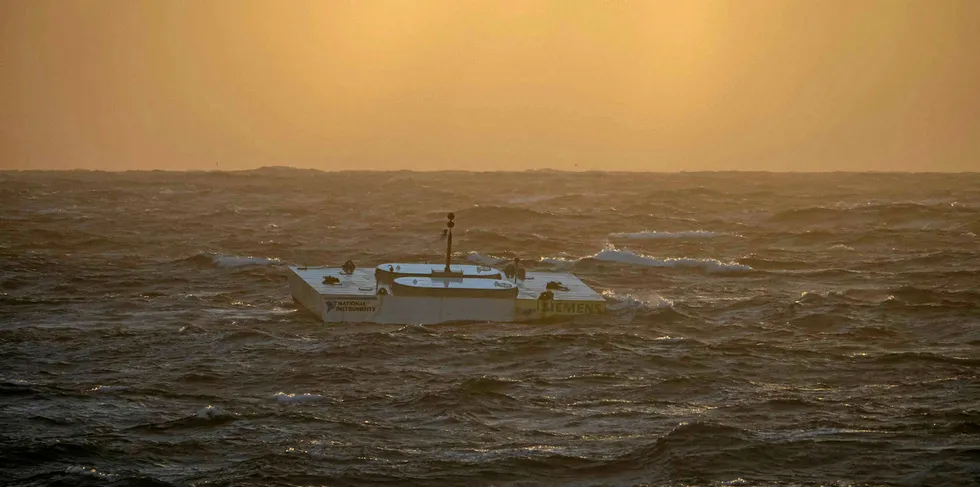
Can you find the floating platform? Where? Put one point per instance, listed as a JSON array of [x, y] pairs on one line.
[[416, 293], [361, 297]]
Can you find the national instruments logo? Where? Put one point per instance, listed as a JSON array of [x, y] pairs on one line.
[[352, 306]]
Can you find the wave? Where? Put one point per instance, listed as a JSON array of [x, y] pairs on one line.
[[88, 472], [485, 385], [236, 261], [688, 440], [774, 264], [931, 261], [291, 398], [247, 334], [212, 413], [794, 404], [207, 416], [218, 260], [490, 260], [559, 262], [898, 296], [896, 215], [489, 238], [611, 254], [614, 255], [808, 215], [654, 235], [523, 199], [917, 295], [107, 389], [916, 358], [495, 214], [44, 450], [627, 301]]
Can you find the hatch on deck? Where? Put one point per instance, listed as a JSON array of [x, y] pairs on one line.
[[391, 271], [454, 288]]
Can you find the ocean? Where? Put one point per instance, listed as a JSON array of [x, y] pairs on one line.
[[763, 329]]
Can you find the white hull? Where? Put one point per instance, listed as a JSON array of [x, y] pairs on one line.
[[358, 297]]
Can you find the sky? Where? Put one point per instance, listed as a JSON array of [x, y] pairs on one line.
[[685, 85]]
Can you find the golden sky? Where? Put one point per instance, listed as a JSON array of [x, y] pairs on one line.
[[779, 85]]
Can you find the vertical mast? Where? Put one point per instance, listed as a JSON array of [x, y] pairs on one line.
[[449, 239]]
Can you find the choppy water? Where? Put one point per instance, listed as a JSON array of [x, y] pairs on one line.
[[764, 329]]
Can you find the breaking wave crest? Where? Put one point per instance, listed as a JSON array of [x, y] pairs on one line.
[[612, 254], [481, 259], [292, 398], [236, 261], [619, 256], [219, 260], [628, 301]]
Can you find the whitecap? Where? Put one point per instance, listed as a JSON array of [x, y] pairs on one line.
[[87, 471], [211, 412], [560, 262], [627, 301], [296, 398], [612, 254], [236, 261], [483, 259], [101, 388]]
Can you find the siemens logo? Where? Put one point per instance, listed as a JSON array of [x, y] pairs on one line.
[[570, 307]]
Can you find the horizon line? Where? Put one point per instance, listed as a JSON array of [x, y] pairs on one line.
[[503, 171]]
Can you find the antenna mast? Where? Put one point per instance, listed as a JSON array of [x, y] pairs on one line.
[[449, 239]]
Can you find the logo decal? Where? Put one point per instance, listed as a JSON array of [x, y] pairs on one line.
[[572, 307], [352, 306]]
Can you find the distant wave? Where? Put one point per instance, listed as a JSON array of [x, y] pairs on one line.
[[896, 296], [291, 398], [490, 260], [531, 198], [208, 259], [510, 240], [236, 261], [776, 264], [943, 297], [493, 214], [611, 254], [899, 213], [653, 235]]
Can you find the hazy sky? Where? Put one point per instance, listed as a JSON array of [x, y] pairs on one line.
[[794, 85]]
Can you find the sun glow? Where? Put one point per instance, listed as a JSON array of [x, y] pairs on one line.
[[657, 85]]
